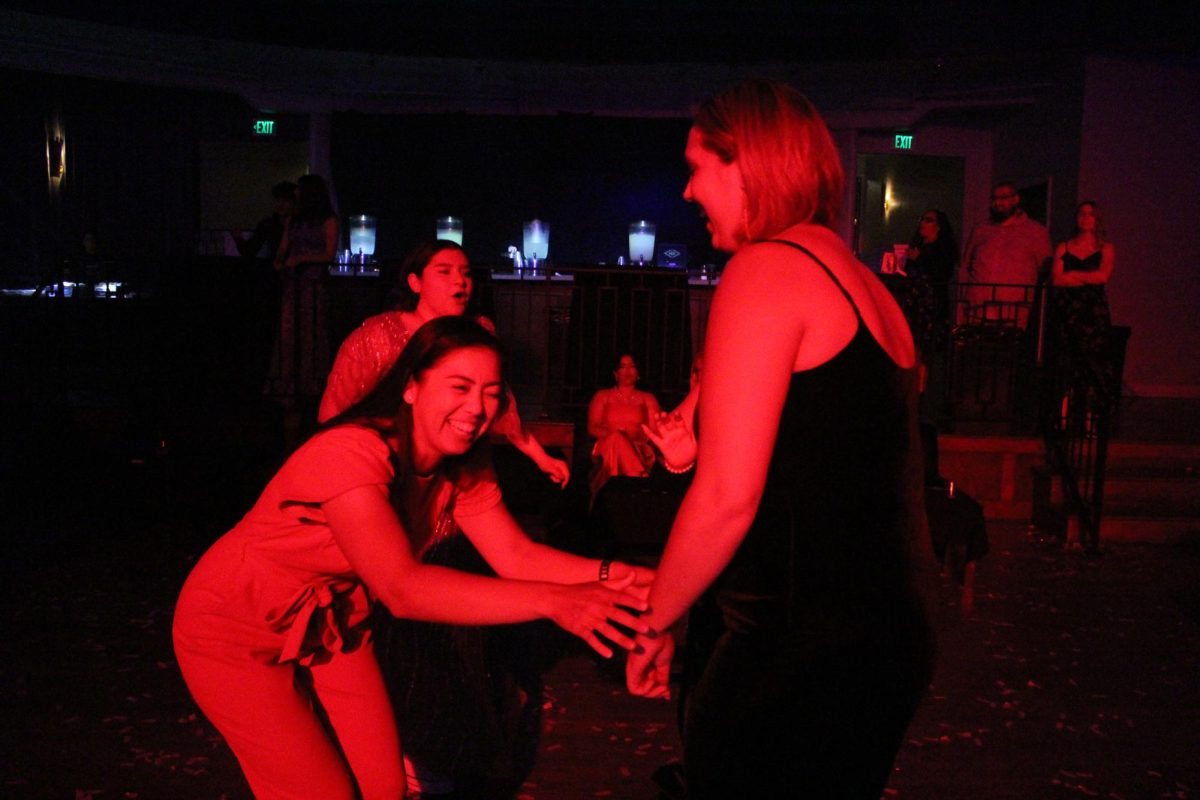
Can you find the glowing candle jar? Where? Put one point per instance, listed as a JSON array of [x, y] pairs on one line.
[[536, 240], [362, 235], [641, 242], [451, 229]]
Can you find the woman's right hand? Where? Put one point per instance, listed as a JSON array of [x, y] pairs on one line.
[[673, 439], [591, 610]]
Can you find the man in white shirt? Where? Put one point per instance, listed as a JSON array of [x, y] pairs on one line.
[[1010, 248]]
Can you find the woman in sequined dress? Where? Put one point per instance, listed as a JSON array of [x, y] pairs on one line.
[[464, 696], [435, 281]]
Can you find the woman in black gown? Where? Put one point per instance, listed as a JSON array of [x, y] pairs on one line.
[[1081, 268], [932, 262], [805, 508]]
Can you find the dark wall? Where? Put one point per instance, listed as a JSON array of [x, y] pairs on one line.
[[133, 174], [587, 177], [132, 168]]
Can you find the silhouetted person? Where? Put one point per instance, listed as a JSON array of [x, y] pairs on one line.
[[269, 231]]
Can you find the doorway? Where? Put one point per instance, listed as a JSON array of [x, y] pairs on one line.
[[893, 190]]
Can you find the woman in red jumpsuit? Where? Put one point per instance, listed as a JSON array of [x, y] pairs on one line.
[[272, 628]]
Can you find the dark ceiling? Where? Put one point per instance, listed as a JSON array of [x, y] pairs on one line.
[[645, 31]]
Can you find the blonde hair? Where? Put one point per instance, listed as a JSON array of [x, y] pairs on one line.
[[790, 167]]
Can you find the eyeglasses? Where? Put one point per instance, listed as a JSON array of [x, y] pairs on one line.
[[931, 220], [1008, 196]]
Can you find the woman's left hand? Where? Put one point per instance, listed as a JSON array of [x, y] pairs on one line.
[[648, 669]]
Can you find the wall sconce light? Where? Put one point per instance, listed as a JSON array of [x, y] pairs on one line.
[[890, 201], [57, 157]]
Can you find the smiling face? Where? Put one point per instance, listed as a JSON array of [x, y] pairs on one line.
[[454, 402], [717, 188], [444, 285]]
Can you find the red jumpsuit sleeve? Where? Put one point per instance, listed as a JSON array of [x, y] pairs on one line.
[[335, 461], [476, 492]]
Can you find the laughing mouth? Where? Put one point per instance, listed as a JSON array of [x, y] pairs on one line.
[[469, 430]]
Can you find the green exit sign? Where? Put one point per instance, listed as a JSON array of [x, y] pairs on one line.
[[264, 127], [903, 141]]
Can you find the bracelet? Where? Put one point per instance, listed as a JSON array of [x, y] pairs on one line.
[[605, 565], [680, 470]]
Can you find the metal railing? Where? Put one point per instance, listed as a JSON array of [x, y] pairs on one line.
[[565, 332], [1080, 401], [980, 343], [990, 352]]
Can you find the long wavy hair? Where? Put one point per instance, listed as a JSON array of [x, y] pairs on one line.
[[788, 161], [385, 410]]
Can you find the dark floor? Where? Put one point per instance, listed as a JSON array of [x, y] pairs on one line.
[[1073, 677]]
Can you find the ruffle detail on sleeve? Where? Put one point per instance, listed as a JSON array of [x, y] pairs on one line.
[[322, 619]]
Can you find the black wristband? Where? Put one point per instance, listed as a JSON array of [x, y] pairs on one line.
[[604, 567]]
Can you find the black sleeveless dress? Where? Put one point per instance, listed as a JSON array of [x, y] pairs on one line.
[[1082, 323], [826, 649]]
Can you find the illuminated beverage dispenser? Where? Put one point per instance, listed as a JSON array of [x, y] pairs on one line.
[[362, 238], [535, 244], [451, 229], [641, 242]]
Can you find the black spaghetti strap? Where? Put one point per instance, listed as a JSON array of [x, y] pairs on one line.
[[828, 272]]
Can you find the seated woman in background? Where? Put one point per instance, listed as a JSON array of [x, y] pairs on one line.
[[272, 629], [615, 419], [435, 281], [1081, 268]]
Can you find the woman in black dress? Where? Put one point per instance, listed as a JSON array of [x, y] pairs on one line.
[[932, 262], [805, 509], [1082, 267]]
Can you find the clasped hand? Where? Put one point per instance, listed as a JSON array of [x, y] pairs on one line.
[[648, 669], [601, 608]]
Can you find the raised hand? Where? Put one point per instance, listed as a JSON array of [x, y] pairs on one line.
[[591, 610], [673, 439], [648, 670]]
